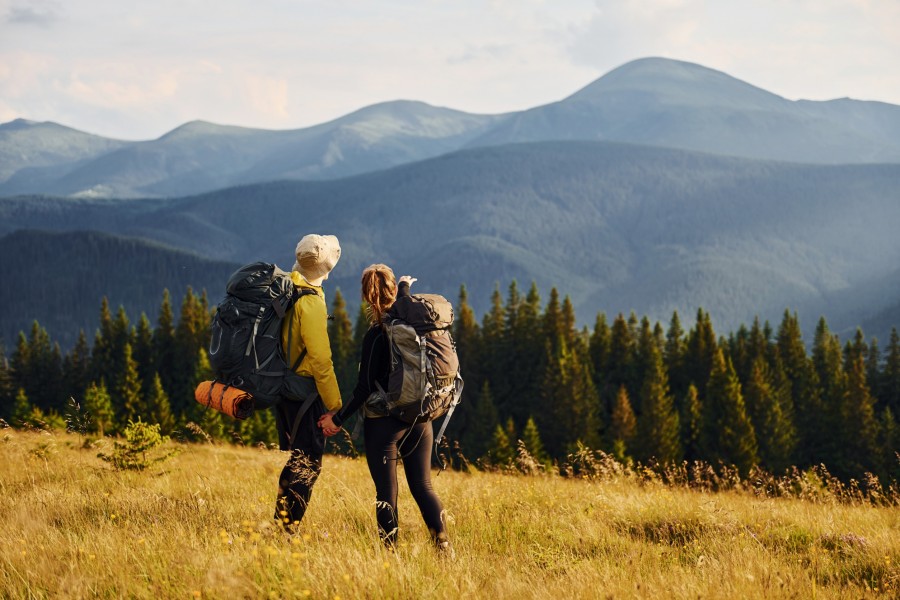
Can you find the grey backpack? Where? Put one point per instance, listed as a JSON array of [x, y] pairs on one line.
[[424, 381]]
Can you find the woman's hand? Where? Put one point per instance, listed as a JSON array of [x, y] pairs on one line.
[[327, 424], [408, 279]]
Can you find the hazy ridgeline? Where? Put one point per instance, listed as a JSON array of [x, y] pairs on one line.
[[199, 525], [635, 389]]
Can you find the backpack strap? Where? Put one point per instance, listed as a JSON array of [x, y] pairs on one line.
[[300, 293], [303, 409]]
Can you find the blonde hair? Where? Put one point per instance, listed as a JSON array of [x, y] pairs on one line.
[[379, 290]]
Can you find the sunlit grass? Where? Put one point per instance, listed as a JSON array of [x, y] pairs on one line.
[[200, 525]]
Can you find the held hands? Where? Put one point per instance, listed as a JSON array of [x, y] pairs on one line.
[[327, 424], [408, 279]]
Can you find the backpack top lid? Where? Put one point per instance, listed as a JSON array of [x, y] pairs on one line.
[[259, 282], [423, 312]]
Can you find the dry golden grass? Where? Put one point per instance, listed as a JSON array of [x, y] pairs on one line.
[[199, 525]]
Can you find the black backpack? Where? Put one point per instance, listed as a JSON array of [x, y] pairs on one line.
[[245, 346], [424, 381]]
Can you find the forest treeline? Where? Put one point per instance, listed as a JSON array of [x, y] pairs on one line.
[[633, 388]]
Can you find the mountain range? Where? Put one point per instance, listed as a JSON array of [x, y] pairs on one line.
[[650, 101], [661, 186]]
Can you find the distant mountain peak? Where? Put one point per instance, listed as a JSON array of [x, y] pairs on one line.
[[17, 124], [679, 80], [199, 127]]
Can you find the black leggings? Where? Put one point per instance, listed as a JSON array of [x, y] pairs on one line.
[[382, 437]]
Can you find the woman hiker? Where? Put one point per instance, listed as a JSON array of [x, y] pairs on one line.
[[305, 334], [386, 437]]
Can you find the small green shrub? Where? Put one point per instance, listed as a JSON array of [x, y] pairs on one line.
[[140, 449]]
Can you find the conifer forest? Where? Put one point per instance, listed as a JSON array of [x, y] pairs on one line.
[[658, 394]]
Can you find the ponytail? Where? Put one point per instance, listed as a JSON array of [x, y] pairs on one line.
[[379, 290]]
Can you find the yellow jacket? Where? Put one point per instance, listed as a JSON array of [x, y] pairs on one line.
[[310, 331]]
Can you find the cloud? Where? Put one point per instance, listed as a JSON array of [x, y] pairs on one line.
[[42, 13]]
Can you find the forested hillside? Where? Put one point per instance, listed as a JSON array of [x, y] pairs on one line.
[[619, 227], [59, 279]]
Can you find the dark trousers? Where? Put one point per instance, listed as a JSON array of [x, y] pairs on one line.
[[305, 462], [383, 435]]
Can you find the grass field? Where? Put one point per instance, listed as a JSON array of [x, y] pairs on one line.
[[199, 526]]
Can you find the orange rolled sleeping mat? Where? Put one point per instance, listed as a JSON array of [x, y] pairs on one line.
[[229, 400]]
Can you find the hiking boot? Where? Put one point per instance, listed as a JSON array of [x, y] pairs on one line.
[[443, 546]]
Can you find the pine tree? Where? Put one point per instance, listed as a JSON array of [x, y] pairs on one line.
[[568, 321], [102, 360], [128, 395], [599, 348], [21, 409], [532, 440], [728, 434], [501, 449], [674, 357], [77, 368], [121, 335], [7, 394], [158, 410], [774, 431], [889, 446], [739, 351], [622, 355], [692, 425], [827, 360], [809, 420], [186, 352], [571, 402], [623, 426], [344, 353], [193, 410], [889, 393], [98, 404], [658, 426], [859, 451], [164, 344], [700, 351], [873, 371], [142, 346], [523, 355], [492, 334], [553, 325], [467, 337], [478, 435]]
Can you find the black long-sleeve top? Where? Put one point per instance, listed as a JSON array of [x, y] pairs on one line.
[[374, 366]]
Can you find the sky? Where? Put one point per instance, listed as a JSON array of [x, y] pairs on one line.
[[135, 70]]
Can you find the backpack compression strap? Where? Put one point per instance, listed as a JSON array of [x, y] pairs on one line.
[[440, 435]]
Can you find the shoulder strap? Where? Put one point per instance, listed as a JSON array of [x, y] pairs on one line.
[[300, 293]]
